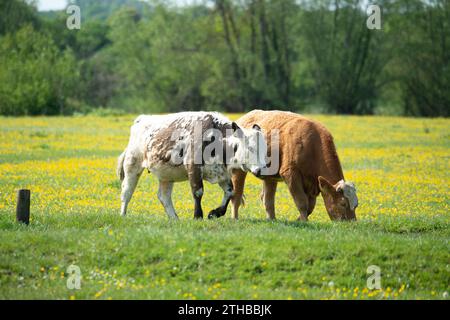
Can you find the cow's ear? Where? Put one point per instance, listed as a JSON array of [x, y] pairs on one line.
[[256, 127], [325, 186], [237, 131]]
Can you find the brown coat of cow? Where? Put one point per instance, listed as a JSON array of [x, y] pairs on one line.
[[308, 164]]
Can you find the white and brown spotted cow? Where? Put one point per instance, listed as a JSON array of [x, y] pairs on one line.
[[192, 146]]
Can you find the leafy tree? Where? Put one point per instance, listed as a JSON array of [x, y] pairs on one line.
[[160, 60], [257, 41], [425, 57], [35, 77], [16, 13], [345, 54]]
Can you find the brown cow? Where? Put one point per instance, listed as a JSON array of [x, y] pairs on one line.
[[308, 164]]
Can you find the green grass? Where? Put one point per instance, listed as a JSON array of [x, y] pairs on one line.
[[403, 221], [150, 257]]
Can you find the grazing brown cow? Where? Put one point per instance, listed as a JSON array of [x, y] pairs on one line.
[[308, 164]]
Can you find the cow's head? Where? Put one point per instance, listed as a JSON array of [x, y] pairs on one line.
[[248, 149], [340, 199]]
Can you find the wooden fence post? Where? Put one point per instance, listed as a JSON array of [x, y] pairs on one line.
[[23, 206]]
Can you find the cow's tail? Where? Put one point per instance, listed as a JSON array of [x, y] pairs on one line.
[[120, 171]]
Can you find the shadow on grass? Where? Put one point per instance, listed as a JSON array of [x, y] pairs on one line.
[[290, 223], [391, 225], [88, 221]]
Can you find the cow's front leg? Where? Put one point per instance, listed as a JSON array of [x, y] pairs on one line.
[[227, 187], [196, 182]]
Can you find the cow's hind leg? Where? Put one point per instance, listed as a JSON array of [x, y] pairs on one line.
[[295, 185], [132, 171], [238, 186], [227, 188], [268, 197], [165, 196]]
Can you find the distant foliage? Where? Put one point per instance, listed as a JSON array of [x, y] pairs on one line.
[[426, 59], [103, 9], [14, 14], [230, 55], [36, 78]]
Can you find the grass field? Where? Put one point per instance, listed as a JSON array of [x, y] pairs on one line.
[[401, 168]]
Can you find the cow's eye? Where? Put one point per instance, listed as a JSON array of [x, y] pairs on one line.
[[235, 147]]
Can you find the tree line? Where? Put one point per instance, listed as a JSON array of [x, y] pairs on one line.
[[229, 55]]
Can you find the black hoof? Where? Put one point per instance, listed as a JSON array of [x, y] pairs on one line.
[[216, 213], [198, 214]]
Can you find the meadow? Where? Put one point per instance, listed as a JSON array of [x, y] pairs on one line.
[[401, 168]]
